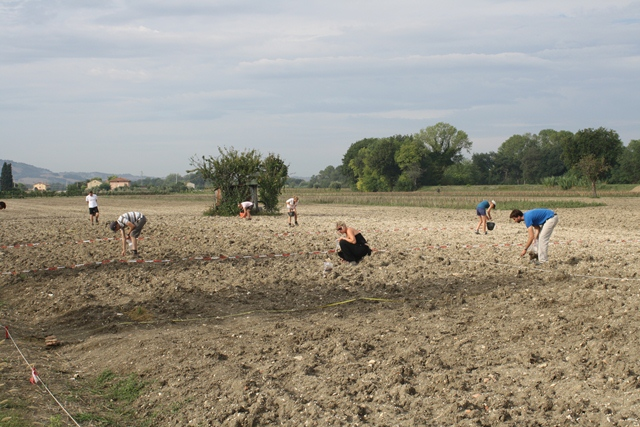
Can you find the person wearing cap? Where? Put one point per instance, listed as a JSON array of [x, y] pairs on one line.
[[92, 202], [292, 209], [540, 224], [134, 222], [245, 209], [483, 210]]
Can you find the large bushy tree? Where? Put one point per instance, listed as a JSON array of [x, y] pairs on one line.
[[445, 145], [508, 160], [551, 143], [483, 168], [233, 172], [352, 160], [593, 152], [381, 171], [601, 143], [415, 164], [529, 157], [374, 165]]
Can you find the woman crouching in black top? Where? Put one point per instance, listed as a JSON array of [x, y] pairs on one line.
[[353, 246]]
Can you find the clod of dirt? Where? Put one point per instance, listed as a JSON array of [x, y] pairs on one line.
[[51, 341], [573, 261]]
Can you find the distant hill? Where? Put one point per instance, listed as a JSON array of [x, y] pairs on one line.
[[29, 175]]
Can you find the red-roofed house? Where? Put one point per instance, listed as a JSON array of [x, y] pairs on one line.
[[119, 182]]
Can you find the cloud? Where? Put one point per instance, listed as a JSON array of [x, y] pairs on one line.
[[279, 76], [119, 74]]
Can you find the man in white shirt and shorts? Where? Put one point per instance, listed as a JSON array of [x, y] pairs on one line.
[[92, 202]]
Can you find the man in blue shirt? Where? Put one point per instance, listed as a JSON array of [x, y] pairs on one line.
[[540, 223]]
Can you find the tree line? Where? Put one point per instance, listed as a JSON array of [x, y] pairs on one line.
[[435, 156], [432, 156]]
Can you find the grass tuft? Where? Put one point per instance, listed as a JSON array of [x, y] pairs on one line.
[[126, 390], [140, 314], [115, 396], [105, 377], [118, 389]]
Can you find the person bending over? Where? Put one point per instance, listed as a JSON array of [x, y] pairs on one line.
[[292, 209], [540, 223], [483, 210], [245, 209], [134, 222]]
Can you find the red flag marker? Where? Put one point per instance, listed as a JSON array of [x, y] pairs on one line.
[[34, 376]]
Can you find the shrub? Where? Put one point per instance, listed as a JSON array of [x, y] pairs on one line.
[[567, 182], [550, 181]]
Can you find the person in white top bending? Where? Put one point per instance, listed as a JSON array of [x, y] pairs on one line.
[[292, 209], [245, 209]]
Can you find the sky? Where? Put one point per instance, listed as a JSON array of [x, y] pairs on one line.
[[144, 86]]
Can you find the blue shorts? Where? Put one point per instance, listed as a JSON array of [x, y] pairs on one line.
[[481, 211]]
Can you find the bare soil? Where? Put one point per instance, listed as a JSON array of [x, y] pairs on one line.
[[438, 327]]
